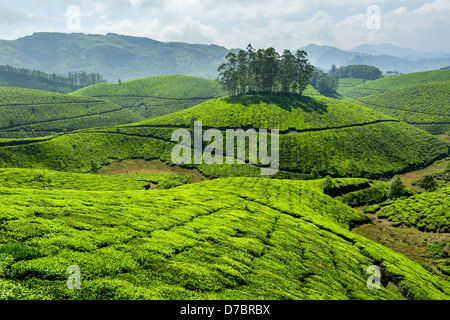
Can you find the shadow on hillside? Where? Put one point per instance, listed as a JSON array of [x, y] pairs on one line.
[[286, 102]]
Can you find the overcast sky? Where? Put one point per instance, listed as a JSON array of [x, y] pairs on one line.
[[283, 24]]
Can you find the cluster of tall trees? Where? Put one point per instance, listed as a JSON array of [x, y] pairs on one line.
[[22, 77], [265, 71], [360, 71], [324, 82]]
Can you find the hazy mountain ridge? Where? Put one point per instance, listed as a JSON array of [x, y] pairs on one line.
[[386, 58], [127, 58]]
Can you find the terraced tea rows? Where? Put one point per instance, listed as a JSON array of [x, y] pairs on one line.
[[397, 82], [234, 238], [426, 105], [360, 141], [156, 96], [38, 113]]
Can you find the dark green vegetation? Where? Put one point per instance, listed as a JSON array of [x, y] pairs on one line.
[[324, 83], [34, 79], [318, 134], [425, 105], [31, 113], [114, 56], [428, 211], [397, 82], [358, 71], [265, 71], [156, 96], [237, 238]]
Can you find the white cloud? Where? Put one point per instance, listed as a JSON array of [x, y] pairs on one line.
[[235, 23]]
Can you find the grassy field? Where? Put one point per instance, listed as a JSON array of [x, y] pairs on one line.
[[237, 238], [156, 96], [29, 113], [424, 105], [397, 82]]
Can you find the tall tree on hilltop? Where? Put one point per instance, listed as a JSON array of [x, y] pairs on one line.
[[304, 70], [287, 72], [270, 69]]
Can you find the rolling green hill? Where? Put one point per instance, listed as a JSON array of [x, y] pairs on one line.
[[319, 134], [156, 96], [237, 238], [425, 105], [397, 82], [27, 112]]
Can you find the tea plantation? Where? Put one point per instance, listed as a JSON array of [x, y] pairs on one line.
[[397, 82], [319, 134], [428, 211], [425, 105], [156, 96], [30, 113], [236, 238]]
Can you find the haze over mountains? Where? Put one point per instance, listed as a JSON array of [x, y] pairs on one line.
[[125, 57]]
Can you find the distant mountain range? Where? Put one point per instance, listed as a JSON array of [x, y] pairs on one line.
[[126, 58], [113, 56], [387, 57]]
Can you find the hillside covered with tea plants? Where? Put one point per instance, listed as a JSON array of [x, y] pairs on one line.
[[318, 134], [427, 106], [31, 113], [397, 82], [236, 238], [156, 96]]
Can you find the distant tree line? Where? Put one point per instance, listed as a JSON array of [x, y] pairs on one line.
[[22, 77], [360, 71], [265, 71]]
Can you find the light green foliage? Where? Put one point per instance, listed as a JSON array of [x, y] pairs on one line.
[[155, 96], [27, 179], [425, 105], [237, 238], [397, 82], [43, 113], [428, 211], [329, 136]]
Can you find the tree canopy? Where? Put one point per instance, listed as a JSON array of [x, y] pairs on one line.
[[265, 71], [359, 71]]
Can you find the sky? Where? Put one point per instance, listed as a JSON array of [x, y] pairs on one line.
[[282, 24]]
